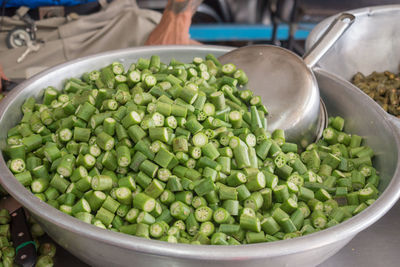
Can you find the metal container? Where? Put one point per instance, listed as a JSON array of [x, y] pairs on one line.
[[100, 247], [372, 43], [294, 104]]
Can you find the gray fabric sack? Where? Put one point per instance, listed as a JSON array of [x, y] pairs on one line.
[[120, 24]]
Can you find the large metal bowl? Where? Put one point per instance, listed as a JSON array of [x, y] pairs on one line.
[[105, 248]]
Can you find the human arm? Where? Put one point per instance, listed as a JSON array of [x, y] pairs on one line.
[[2, 76], [175, 23]]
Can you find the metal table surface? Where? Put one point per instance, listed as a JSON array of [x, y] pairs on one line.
[[379, 245]]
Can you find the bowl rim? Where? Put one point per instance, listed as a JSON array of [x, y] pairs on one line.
[[345, 230]]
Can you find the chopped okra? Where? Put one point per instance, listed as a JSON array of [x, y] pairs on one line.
[[181, 152]]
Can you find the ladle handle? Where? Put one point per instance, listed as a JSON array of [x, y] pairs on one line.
[[328, 39]]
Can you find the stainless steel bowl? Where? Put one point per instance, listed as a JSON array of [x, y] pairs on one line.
[[372, 43], [100, 247]]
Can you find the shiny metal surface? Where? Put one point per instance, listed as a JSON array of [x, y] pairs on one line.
[[376, 246], [372, 43], [360, 251], [100, 247], [292, 92], [332, 34]]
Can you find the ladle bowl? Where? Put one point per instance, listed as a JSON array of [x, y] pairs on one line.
[[289, 83]]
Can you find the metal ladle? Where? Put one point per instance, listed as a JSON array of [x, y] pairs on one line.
[[287, 85]]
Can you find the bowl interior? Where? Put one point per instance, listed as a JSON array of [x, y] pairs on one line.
[[360, 113]]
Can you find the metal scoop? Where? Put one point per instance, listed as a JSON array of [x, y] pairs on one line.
[[287, 85]]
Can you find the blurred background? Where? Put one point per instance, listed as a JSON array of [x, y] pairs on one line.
[[38, 34], [281, 22], [62, 27], [230, 22]]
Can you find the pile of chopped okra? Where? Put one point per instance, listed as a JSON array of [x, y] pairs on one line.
[[181, 153]]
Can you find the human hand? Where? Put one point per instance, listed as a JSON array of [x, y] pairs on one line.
[[2, 76], [175, 23]]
